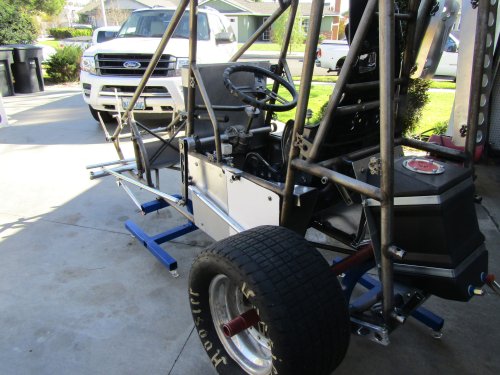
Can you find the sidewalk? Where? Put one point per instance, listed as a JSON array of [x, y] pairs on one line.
[[19, 103]]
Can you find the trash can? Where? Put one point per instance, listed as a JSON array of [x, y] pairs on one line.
[[6, 81], [27, 68]]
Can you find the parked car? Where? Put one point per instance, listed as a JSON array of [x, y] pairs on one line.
[[448, 64], [111, 71], [331, 55]]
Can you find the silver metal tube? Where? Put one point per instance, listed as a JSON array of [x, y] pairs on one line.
[[171, 200], [278, 12], [423, 18], [227, 219], [102, 173], [477, 80], [300, 115], [363, 86], [210, 110], [345, 72], [408, 60], [289, 27], [191, 91], [282, 65], [386, 72], [131, 195], [339, 178], [176, 17], [436, 149], [108, 163]]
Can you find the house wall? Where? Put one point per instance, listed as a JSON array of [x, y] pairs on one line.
[[222, 7], [326, 24], [247, 26]]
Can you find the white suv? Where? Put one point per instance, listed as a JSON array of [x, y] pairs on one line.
[[111, 71]]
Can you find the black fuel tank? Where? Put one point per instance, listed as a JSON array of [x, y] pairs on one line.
[[435, 223]]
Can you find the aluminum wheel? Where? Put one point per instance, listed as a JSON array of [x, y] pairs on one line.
[[250, 348]]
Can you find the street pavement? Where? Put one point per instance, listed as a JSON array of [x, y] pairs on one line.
[[79, 295]]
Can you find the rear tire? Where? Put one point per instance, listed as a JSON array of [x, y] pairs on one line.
[[304, 321], [106, 116]]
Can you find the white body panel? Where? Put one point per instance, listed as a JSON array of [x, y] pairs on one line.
[[220, 196], [251, 205]]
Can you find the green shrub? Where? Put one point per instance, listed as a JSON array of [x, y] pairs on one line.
[[64, 65], [68, 32], [16, 26], [439, 128], [418, 96]]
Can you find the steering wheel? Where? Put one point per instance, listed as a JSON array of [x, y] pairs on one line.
[[259, 95]]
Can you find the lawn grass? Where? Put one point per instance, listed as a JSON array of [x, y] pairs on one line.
[[437, 110], [319, 95], [443, 85], [51, 43], [273, 47], [333, 78]]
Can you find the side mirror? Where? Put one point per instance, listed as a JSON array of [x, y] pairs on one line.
[[224, 37]]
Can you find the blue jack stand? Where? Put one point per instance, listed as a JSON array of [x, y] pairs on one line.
[[152, 243], [358, 275]]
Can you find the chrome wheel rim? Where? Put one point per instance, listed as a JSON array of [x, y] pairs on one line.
[[250, 349]]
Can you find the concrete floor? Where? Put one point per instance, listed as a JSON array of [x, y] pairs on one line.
[[78, 295]]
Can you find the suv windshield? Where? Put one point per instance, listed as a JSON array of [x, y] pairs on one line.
[[153, 23]]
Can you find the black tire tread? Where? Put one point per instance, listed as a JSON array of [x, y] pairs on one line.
[[302, 297]]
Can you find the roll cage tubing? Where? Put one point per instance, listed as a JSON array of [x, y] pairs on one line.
[[389, 111]]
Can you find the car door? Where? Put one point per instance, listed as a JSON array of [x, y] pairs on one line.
[[222, 38], [448, 63]]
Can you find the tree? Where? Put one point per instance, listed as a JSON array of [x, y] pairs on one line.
[[50, 7], [115, 15], [16, 26], [16, 18], [279, 30]]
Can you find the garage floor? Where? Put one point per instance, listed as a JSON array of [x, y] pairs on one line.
[[78, 295]]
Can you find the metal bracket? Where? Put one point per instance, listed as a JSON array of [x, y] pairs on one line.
[[304, 145], [375, 333]]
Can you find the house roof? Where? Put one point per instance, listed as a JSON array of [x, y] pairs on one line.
[[240, 6], [126, 5], [162, 3], [265, 8]]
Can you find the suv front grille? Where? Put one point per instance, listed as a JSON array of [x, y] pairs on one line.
[[115, 64]]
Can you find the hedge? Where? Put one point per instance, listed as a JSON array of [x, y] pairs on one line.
[[69, 32]]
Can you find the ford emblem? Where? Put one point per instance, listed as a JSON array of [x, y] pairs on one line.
[[132, 64]]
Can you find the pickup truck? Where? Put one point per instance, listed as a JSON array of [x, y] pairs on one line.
[[331, 55], [111, 71]]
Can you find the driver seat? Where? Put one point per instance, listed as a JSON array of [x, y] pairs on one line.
[[233, 112]]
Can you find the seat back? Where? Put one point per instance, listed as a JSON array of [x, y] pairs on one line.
[[218, 94]]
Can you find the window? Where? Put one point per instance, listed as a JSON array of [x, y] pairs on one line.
[[305, 24], [450, 46], [153, 23], [266, 35]]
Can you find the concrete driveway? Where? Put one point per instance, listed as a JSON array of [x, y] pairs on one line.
[[78, 295]]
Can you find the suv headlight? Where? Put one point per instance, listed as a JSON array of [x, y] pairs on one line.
[[88, 64]]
